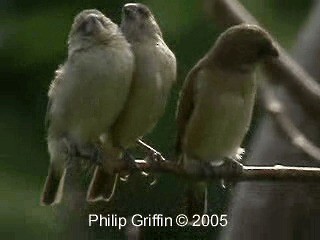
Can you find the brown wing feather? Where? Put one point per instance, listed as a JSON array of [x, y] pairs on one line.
[[186, 105]]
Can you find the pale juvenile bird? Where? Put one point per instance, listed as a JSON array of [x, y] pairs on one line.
[[216, 103], [154, 74], [87, 93]]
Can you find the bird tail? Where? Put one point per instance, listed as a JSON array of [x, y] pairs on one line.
[[102, 186], [53, 187], [196, 195]]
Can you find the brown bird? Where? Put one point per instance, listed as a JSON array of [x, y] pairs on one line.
[[216, 103], [87, 93]]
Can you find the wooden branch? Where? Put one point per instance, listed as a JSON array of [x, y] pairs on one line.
[[285, 70], [274, 107], [229, 171], [280, 173]]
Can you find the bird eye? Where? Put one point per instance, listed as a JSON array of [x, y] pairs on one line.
[[267, 49], [101, 20], [89, 25], [82, 27], [144, 12]]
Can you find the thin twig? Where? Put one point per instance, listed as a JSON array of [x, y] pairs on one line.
[[150, 150], [229, 171], [234, 172], [280, 173], [276, 109], [307, 91]]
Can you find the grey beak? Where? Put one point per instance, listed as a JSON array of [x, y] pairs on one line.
[[91, 23]]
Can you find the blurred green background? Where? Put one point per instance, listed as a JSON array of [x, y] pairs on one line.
[[33, 36]]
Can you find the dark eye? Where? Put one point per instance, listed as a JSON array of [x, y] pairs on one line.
[[144, 12], [90, 24], [101, 20], [265, 49], [82, 27]]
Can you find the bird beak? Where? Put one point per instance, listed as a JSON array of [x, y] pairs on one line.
[[274, 52], [129, 10], [91, 23]]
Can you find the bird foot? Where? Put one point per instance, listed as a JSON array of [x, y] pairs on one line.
[[129, 159], [154, 157], [96, 155], [239, 155], [152, 154], [230, 166], [71, 150]]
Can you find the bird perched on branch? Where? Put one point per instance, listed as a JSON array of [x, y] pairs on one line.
[[153, 77], [86, 95], [216, 103], [154, 74]]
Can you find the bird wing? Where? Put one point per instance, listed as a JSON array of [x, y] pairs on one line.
[[55, 82], [167, 61], [170, 62], [47, 117], [185, 105]]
